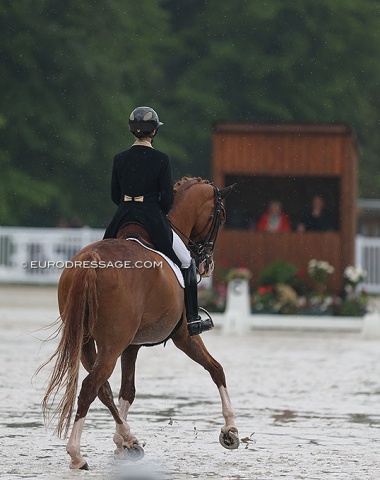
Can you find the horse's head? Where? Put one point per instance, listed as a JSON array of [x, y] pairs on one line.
[[201, 215]]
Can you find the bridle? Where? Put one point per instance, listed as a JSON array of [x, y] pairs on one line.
[[203, 251]]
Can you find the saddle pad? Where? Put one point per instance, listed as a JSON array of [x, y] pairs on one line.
[[174, 267]]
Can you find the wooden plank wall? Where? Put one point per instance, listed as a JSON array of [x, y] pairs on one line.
[[258, 249], [277, 155]]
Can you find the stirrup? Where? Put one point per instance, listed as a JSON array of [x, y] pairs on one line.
[[196, 327]]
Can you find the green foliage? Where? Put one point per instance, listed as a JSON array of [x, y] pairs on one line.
[[278, 272], [353, 307], [71, 72]]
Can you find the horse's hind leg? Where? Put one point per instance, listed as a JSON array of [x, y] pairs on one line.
[[123, 437], [105, 392], [100, 373], [196, 350]]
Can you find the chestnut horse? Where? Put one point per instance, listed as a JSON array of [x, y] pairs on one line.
[[111, 312]]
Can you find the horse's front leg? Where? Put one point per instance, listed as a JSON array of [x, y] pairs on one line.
[[196, 350], [123, 437], [229, 435]]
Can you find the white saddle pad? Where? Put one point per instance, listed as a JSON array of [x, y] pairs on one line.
[[173, 266]]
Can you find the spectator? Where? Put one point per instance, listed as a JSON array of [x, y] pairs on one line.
[[316, 219], [274, 220]]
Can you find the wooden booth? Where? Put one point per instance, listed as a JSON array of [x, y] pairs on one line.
[[289, 163]]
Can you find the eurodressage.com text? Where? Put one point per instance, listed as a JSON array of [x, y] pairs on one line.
[[36, 264]]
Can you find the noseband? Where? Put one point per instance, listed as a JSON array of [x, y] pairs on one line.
[[203, 251]]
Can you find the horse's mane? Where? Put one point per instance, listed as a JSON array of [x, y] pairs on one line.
[[184, 180]]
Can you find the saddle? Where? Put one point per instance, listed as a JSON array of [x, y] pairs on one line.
[[135, 230]]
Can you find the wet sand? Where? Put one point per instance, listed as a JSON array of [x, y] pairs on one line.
[[307, 405]]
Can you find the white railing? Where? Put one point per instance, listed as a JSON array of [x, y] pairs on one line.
[[25, 253], [368, 257], [37, 255]]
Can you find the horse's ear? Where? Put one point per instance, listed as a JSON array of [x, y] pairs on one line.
[[227, 190]]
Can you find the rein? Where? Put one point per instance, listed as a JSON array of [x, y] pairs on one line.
[[203, 250]]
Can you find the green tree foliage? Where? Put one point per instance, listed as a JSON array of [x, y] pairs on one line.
[[285, 61], [71, 72]]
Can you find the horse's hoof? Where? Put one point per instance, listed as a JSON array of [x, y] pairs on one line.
[[229, 440], [135, 453], [85, 467]]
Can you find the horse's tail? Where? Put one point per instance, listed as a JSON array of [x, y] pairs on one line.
[[78, 319]]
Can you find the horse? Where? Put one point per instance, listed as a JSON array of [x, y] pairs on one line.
[[108, 312]]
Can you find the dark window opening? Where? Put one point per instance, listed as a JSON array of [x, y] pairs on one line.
[[253, 194]]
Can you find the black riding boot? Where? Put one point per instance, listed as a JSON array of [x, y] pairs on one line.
[[195, 323]]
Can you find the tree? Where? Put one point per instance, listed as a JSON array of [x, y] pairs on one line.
[[282, 62], [70, 74]]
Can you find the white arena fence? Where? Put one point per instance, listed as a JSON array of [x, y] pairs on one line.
[[38, 255], [25, 254], [368, 257]]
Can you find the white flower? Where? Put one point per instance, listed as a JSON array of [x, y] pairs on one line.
[[320, 266], [354, 275]]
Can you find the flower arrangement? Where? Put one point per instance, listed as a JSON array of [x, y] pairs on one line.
[[263, 298], [213, 299], [281, 288], [353, 302], [240, 273], [236, 272], [280, 298], [354, 275], [276, 292], [319, 270]]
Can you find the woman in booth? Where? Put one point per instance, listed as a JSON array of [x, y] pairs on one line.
[[274, 219]]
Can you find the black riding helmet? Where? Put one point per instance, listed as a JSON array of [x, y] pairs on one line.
[[143, 121]]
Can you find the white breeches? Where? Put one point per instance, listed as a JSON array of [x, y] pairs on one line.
[[181, 251]]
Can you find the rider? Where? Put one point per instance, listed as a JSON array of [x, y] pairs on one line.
[[142, 188]]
